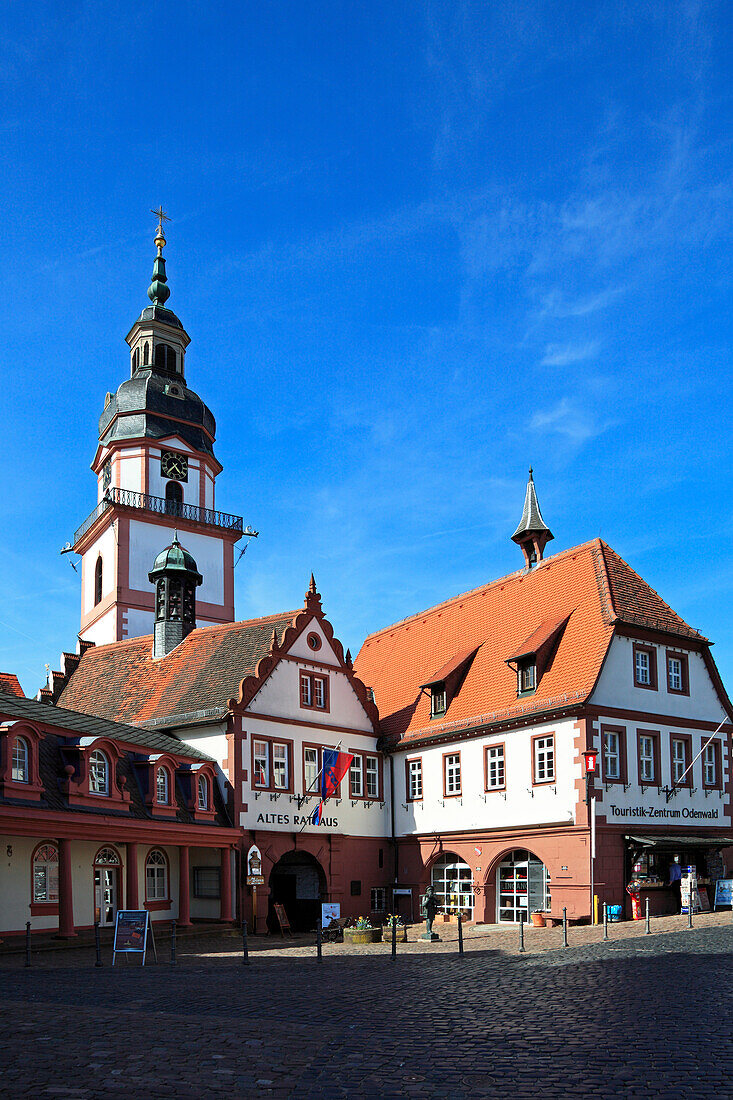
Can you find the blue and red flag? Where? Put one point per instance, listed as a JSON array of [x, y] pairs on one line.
[[335, 766]]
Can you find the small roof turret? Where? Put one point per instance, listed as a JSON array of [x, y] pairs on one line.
[[175, 559], [532, 534]]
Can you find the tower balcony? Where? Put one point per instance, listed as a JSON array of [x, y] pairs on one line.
[[144, 502]]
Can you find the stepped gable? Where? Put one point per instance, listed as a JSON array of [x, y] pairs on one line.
[[589, 585], [125, 683]]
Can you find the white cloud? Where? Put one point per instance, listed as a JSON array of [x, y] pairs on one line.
[[569, 420], [563, 355]]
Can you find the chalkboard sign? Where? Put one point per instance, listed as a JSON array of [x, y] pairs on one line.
[[724, 892], [282, 919], [131, 933]]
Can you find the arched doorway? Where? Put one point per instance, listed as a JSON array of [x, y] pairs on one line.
[[298, 882], [522, 887], [451, 879]]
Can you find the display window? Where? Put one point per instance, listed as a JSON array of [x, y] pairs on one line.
[[523, 888], [452, 882]]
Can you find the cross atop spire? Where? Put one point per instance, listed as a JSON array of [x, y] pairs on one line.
[[158, 291], [532, 534]]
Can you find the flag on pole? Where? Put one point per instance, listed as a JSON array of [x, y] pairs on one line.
[[335, 766]]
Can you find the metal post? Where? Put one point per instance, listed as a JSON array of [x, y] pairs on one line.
[[647, 931], [97, 944], [460, 935], [173, 943], [565, 926], [521, 933], [319, 941], [689, 911], [605, 920], [27, 943], [394, 937], [245, 949]]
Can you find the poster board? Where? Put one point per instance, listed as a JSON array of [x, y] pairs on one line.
[[132, 927], [689, 894], [282, 919], [330, 910], [723, 892]]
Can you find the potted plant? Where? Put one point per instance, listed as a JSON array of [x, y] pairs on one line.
[[395, 921], [538, 918], [362, 932]]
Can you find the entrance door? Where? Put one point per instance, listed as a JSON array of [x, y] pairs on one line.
[[523, 887], [105, 895]]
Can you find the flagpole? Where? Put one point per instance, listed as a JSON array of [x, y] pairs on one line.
[[320, 773]]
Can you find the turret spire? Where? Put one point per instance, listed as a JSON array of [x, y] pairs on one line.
[[158, 291], [532, 534]]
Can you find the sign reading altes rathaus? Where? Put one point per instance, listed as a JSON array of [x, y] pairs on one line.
[[661, 812]]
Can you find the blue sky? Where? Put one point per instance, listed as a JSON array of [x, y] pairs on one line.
[[417, 246]]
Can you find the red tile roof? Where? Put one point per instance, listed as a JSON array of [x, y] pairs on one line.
[[590, 585], [124, 683], [9, 682]]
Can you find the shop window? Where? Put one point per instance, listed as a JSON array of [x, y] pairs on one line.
[[711, 775], [46, 874], [494, 776], [645, 667], [162, 787], [21, 756], [451, 774], [414, 779], [543, 759], [207, 882], [156, 876], [677, 674], [203, 792], [452, 882], [378, 899], [438, 700], [523, 887], [356, 888], [272, 765], [313, 691], [613, 739], [648, 744], [99, 773]]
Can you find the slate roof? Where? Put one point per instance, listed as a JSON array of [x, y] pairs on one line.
[[123, 682], [86, 725], [590, 585]]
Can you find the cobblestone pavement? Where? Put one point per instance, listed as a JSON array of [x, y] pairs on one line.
[[639, 1016]]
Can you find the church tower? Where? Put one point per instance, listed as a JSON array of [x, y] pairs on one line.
[[156, 475]]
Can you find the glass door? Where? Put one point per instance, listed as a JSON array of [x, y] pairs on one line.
[[523, 887], [105, 895]]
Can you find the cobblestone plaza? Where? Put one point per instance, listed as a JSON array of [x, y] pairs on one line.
[[636, 1016]]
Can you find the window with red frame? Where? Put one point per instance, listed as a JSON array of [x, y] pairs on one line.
[[162, 786], [711, 765], [21, 759], [203, 793], [313, 691], [271, 765]]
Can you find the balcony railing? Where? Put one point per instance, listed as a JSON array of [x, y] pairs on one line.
[[144, 502]]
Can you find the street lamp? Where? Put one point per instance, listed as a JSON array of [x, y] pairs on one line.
[[590, 756]]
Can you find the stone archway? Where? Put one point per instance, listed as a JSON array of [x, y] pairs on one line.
[[297, 882]]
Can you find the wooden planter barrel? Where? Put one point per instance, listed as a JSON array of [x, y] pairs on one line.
[[362, 935]]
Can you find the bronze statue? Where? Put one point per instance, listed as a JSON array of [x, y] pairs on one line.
[[428, 909]]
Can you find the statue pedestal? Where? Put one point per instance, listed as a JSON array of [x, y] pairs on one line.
[[431, 937]]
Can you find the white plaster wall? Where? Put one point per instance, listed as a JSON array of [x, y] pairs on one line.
[[16, 885], [477, 809], [209, 739], [280, 812], [300, 647], [280, 696], [104, 630], [686, 808], [138, 622], [146, 542], [128, 470], [616, 687], [105, 545]]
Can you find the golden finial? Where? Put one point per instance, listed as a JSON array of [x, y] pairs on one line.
[[159, 235]]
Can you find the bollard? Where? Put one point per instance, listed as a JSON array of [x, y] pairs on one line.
[[245, 949], [565, 926], [521, 933], [460, 935], [689, 912], [97, 944], [605, 920], [319, 941], [173, 943], [647, 931], [394, 938], [27, 943]]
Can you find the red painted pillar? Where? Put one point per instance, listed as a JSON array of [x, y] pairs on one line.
[[132, 888], [184, 902], [66, 897], [226, 884]]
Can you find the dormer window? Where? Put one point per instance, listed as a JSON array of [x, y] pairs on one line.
[[98, 773], [526, 676], [162, 787], [438, 700], [21, 753]]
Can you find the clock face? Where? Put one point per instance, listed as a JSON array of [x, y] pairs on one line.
[[174, 466]]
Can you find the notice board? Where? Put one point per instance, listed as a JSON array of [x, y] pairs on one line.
[[131, 933], [724, 892], [282, 919]]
